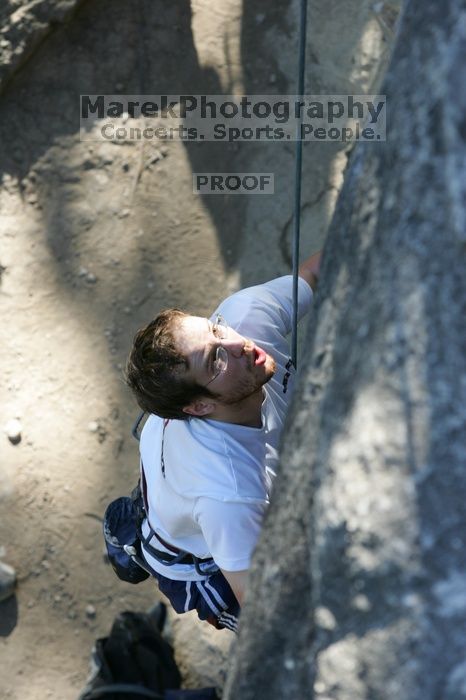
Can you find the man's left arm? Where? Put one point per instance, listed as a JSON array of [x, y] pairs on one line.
[[309, 270], [270, 305]]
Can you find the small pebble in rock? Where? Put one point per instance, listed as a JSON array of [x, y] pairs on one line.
[[123, 213], [90, 612], [91, 278], [272, 78], [13, 431], [30, 604], [93, 426], [164, 151], [156, 156], [83, 271], [7, 581], [45, 564], [361, 602], [325, 618]]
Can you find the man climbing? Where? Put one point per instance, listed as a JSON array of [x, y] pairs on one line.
[[217, 390]]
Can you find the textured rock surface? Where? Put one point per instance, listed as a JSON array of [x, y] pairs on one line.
[[23, 25], [95, 238], [358, 589]]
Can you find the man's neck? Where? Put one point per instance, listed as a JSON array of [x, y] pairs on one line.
[[247, 412]]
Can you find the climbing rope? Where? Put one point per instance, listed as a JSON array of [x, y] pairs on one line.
[[298, 174]]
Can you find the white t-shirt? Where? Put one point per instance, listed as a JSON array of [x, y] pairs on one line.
[[218, 476]]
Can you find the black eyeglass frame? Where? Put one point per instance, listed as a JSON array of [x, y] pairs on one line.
[[221, 354]]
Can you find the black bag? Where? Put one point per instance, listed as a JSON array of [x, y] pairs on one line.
[[121, 527], [136, 662]]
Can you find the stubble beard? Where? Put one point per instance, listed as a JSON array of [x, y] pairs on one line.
[[245, 388], [273, 368]]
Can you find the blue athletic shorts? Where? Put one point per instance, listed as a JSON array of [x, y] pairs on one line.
[[212, 598]]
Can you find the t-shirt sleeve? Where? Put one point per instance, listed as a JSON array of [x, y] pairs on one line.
[[230, 530], [272, 300]]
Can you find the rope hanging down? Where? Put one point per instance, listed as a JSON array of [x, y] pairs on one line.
[[298, 174]]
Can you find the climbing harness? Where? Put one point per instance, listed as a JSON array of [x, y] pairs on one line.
[[298, 176]]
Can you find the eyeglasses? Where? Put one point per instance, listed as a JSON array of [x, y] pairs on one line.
[[220, 331]]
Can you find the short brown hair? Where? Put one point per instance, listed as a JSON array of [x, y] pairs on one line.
[[152, 369]]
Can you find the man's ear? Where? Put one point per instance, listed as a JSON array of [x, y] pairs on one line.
[[199, 408]]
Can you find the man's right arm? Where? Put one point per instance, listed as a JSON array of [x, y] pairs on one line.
[[237, 581], [231, 530]]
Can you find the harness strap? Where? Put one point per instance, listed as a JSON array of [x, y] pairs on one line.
[[144, 490], [170, 547], [180, 556]]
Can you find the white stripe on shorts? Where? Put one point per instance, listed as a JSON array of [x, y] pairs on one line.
[[228, 621], [206, 597], [188, 596], [216, 595]]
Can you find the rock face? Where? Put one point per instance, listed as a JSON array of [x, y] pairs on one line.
[[24, 26], [358, 587], [96, 237]]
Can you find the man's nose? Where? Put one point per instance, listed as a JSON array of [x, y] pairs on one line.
[[235, 346]]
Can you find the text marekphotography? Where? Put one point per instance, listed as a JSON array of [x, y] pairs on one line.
[[228, 118]]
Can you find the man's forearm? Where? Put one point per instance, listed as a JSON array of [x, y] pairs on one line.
[[309, 270], [237, 581]]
